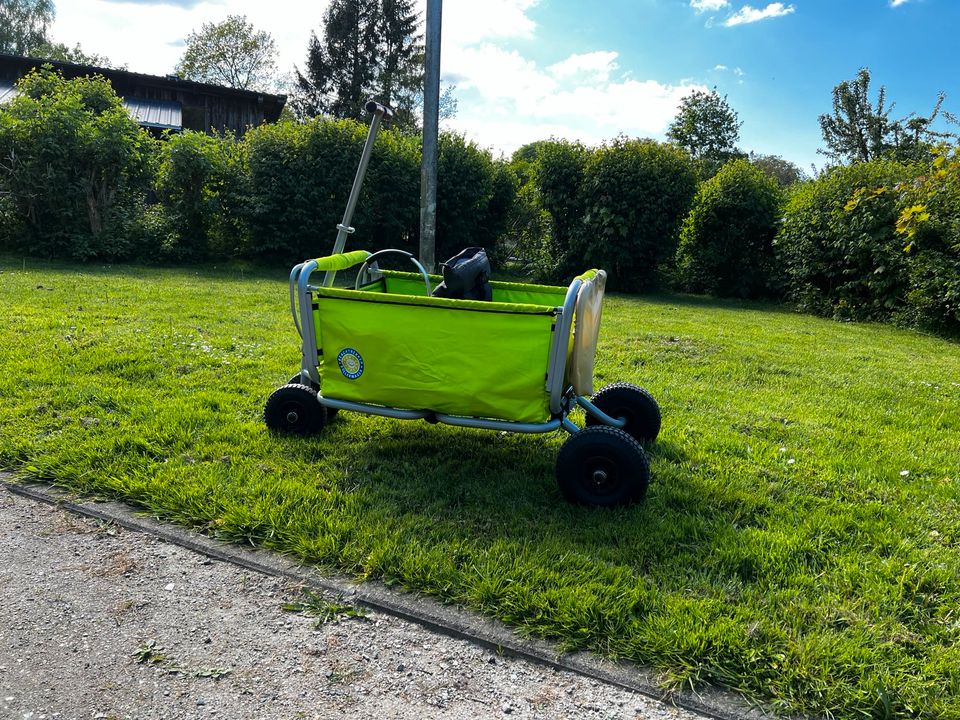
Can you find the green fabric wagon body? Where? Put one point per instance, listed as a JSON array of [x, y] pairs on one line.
[[390, 344]]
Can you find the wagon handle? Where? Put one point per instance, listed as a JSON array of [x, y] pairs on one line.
[[380, 253], [374, 107], [344, 228]]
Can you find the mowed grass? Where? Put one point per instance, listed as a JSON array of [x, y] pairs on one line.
[[799, 542]]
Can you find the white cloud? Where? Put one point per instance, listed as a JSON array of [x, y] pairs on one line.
[[147, 36], [748, 14], [469, 23], [508, 100], [594, 66], [898, 3], [721, 67], [708, 5]]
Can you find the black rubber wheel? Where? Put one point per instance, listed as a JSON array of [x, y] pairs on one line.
[[636, 405], [296, 380], [602, 466], [294, 410]]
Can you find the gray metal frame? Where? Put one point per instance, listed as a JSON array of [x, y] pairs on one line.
[[562, 398]]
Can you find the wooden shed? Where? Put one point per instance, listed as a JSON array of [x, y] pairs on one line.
[[163, 103]]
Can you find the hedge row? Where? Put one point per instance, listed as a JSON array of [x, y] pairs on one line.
[[82, 173], [873, 241]]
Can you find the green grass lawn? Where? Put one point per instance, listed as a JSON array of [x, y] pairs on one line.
[[800, 541]]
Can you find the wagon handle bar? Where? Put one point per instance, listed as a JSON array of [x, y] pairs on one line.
[[343, 229], [380, 253]]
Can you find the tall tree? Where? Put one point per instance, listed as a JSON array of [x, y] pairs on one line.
[[707, 128], [857, 130], [783, 171], [230, 53], [860, 130], [369, 48], [24, 24]]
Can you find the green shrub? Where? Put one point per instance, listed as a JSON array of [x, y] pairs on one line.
[[300, 177], [389, 213], [558, 177], [636, 194], [73, 159], [726, 241], [837, 244], [929, 223], [473, 197], [195, 175]]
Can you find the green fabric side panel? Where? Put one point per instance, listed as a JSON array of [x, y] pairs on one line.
[[342, 261], [428, 357], [403, 283], [412, 285], [588, 275], [475, 305]]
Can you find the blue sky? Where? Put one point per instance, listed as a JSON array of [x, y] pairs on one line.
[[530, 69]]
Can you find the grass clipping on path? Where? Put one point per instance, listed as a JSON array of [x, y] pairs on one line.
[[799, 542]]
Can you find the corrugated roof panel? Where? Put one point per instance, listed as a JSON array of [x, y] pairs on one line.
[[7, 91], [164, 114]]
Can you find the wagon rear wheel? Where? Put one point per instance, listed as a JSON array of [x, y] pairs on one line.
[[294, 410], [602, 465], [634, 404]]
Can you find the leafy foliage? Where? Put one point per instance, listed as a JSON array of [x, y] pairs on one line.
[[64, 53], [558, 176], [24, 25], [73, 163], [230, 53], [838, 245], [300, 177], [707, 128], [474, 194], [783, 171], [726, 246], [198, 181], [636, 194], [929, 222]]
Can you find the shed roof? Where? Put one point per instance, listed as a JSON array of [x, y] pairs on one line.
[[163, 114]]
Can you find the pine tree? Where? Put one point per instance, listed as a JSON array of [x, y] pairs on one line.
[[369, 48]]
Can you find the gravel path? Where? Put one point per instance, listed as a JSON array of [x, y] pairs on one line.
[[100, 622]]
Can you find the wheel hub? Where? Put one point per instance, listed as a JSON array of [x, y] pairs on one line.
[[599, 477], [292, 417]]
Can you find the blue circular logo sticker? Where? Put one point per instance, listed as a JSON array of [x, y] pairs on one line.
[[350, 362]]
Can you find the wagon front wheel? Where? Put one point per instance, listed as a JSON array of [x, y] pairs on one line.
[[294, 410], [602, 465], [633, 404], [298, 380]]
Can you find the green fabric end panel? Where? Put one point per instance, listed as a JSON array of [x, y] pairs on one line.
[[428, 357], [342, 261], [588, 275], [403, 283]]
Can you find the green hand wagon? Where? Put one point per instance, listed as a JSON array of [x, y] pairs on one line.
[[521, 362]]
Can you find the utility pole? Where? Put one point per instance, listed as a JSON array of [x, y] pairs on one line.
[[431, 126]]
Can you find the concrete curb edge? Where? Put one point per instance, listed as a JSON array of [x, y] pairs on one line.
[[428, 612]]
